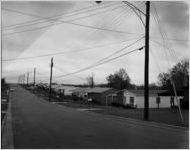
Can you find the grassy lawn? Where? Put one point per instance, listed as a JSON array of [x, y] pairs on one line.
[[161, 115]]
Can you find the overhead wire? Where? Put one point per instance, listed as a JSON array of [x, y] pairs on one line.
[[172, 52], [138, 14], [132, 5], [104, 60], [61, 69], [162, 35], [76, 12], [61, 22], [67, 52]]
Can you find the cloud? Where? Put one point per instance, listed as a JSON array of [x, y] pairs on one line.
[[66, 37], [21, 41], [174, 19]]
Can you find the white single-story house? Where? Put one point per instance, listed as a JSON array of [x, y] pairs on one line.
[[136, 98], [80, 92], [67, 90]]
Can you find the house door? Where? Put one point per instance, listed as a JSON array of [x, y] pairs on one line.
[[131, 101]]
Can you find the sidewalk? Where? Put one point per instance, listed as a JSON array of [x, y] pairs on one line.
[[7, 130]]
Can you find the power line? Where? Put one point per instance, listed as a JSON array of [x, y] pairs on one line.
[[103, 60], [134, 10], [67, 52], [61, 69], [164, 35], [131, 5], [172, 2], [120, 50], [60, 22], [60, 15], [57, 18], [109, 30], [100, 62], [169, 39]]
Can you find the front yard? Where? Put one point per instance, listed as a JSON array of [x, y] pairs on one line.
[[161, 115]]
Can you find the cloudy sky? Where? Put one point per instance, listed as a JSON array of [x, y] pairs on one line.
[[80, 34]]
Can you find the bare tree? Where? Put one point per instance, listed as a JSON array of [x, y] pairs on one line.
[[90, 80]]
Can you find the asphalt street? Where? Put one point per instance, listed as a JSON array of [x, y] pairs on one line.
[[40, 124]]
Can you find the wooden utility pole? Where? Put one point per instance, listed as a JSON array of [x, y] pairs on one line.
[[23, 79], [51, 66], [18, 79], [27, 78], [146, 72], [34, 76]]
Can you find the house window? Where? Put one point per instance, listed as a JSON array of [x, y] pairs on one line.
[[131, 100]]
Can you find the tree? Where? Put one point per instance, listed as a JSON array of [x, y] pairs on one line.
[[90, 80], [119, 80], [2, 81], [179, 74], [164, 81]]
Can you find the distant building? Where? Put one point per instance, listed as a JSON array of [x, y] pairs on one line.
[[80, 93], [67, 90], [100, 95], [135, 98]]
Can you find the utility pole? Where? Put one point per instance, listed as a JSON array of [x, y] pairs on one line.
[[34, 76], [23, 79], [27, 78], [146, 72], [18, 80], [51, 66]]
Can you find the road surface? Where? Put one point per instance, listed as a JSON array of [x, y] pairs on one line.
[[40, 124]]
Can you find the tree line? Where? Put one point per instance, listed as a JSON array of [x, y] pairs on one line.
[[179, 74]]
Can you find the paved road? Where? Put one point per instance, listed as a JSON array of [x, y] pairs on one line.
[[40, 124]]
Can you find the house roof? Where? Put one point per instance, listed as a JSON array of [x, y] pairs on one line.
[[98, 90], [55, 86], [80, 90], [62, 87], [169, 93], [141, 92]]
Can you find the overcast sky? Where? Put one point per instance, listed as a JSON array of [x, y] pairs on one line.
[[27, 32]]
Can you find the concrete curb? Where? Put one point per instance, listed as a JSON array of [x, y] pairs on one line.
[[151, 123], [7, 130]]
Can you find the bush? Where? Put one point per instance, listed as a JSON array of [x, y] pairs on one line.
[[128, 106], [116, 104], [174, 107]]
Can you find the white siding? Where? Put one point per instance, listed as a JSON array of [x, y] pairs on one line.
[[126, 99], [139, 100], [152, 102]]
